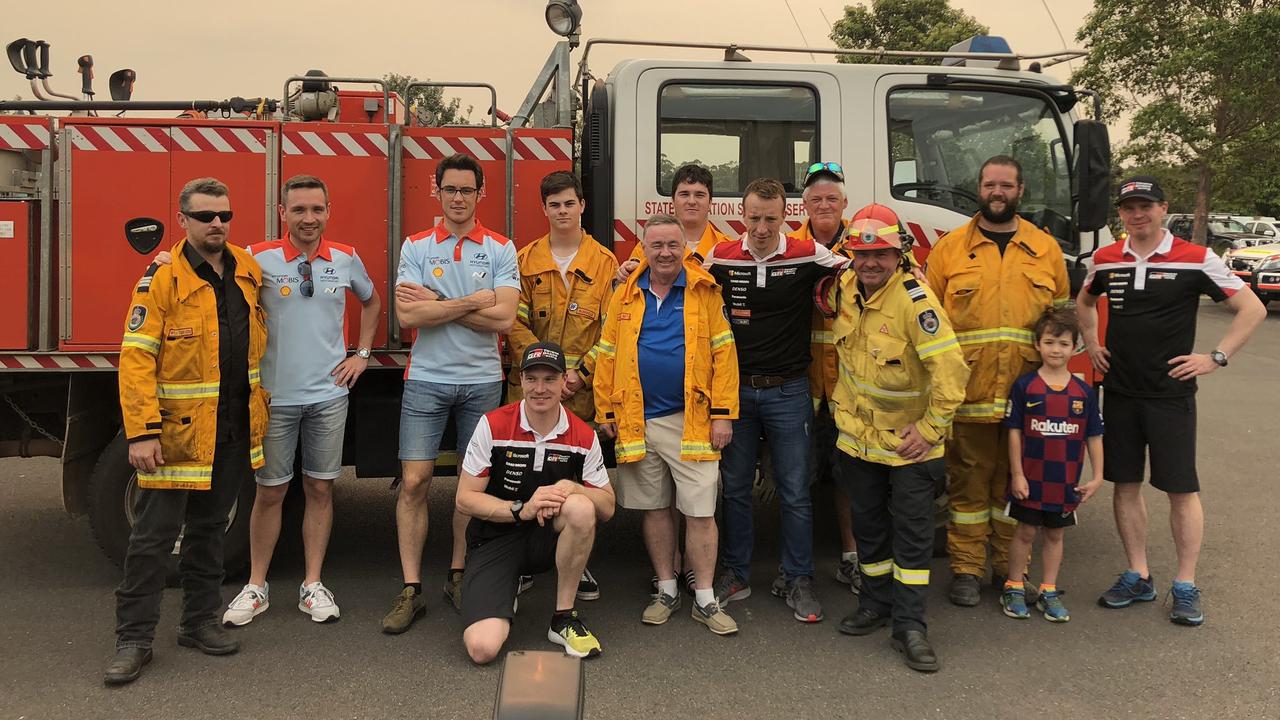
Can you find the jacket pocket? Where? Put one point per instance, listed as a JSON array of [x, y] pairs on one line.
[[961, 303], [890, 355], [179, 441]]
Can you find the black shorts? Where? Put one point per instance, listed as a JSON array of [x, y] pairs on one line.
[[1163, 427], [1040, 518], [494, 567]]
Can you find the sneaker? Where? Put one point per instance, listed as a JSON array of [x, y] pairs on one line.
[[715, 618], [1129, 589], [453, 589], [1186, 605], [1014, 603], [660, 610], [317, 601], [524, 583], [1029, 589], [588, 588], [568, 632], [800, 598], [730, 588], [847, 574], [1050, 603], [251, 602], [408, 607]]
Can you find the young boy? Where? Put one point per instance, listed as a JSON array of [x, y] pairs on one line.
[[1052, 417]]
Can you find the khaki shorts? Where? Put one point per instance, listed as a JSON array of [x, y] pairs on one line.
[[649, 483]]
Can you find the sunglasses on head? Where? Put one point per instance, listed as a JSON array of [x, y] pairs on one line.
[[307, 288], [207, 216], [828, 167]]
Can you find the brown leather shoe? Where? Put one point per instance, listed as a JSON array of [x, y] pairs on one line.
[[126, 666], [210, 640]]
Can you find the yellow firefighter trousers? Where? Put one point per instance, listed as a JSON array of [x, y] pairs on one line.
[[977, 481]]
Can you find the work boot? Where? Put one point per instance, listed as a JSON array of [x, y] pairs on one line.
[[863, 621], [965, 590], [916, 651], [126, 666], [210, 640]]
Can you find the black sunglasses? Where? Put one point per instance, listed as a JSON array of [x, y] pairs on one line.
[[307, 288], [207, 216]]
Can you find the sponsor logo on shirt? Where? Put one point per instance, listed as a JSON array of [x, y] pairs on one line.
[[1054, 427]]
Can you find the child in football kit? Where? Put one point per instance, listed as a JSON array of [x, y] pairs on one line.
[[1052, 417]]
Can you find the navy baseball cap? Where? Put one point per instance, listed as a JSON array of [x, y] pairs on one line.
[[543, 353], [1140, 186]]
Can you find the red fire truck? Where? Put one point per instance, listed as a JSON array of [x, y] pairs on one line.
[[81, 184]]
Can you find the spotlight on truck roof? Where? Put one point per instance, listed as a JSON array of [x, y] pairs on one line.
[[563, 17]]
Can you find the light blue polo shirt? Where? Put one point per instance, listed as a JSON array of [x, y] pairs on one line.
[[304, 334], [660, 349], [453, 268]]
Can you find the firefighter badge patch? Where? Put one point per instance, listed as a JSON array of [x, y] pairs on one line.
[[137, 316], [929, 322]]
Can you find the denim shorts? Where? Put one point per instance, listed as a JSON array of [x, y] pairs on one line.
[[322, 426], [426, 407]]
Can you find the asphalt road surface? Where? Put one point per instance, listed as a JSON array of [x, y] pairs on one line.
[[57, 603]]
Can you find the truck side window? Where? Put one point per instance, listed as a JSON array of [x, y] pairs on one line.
[[739, 132], [938, 139]]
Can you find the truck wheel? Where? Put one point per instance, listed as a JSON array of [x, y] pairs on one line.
[[113, 489]]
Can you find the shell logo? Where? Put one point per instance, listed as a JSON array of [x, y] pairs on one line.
[[285, 291], [438, 272]]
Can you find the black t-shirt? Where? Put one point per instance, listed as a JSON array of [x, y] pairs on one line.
[[1001, 239], [233, 343]]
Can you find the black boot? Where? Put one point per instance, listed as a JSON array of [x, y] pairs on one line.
[[965, 590], [916, 650], [126, 666], [210, 640], [863, 621]]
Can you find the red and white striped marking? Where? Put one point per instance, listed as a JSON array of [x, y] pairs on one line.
[[23, 136], [111, 361], [222, 140], [543, 148], [334, 144], [434, 147], [120, 138]]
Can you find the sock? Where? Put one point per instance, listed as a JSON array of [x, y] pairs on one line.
[[703, 596], [1047, 588], [417, 587], [670, 587], [849, 556], [560, 617], [1184, 584], [453, 570], [1013, 585]]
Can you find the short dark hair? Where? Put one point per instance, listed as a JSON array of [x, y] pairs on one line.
[[691, 173], [201, 186], [460, 161], [1001, 160], [766, 189], [302, 182], [1056, 321], [558, 182]]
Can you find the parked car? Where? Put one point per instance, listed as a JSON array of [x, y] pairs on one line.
[[1223, 233], [1259, 266], [1266, 227]]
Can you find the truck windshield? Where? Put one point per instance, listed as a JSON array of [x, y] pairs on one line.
[[938, 139]]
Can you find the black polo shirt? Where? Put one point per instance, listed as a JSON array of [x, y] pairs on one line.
[[233, 343]]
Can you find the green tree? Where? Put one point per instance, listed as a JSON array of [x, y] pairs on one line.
[[428, 105], [903, 25], [1201, 78]]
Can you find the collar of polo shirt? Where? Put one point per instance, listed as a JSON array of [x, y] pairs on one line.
[[291, 252]]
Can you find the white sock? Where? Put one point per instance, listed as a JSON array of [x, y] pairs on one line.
[[703, 596], [669, 587], [849, 556]]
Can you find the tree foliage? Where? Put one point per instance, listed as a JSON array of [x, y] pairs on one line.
[[1201, 78], [903, 25], [428, 104]]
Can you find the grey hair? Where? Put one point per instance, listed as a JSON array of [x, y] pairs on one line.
[[201, 186], [657, 220], [825, 180]]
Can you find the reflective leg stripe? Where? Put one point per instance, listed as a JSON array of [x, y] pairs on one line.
[[999, 515], [186, 391], [141, 342], [255, 454], [178, 477], [980, 517], [876, 569], [910, 577]]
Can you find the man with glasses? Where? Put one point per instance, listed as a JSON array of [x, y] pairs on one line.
[[194, 414], [458, 286], [306, 278]]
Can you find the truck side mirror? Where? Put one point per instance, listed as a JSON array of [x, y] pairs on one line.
[[1092, 179], [144, 234], [121, 84]]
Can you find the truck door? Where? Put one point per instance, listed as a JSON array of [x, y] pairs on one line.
[[741, 123]]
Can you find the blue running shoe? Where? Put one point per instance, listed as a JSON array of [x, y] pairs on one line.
[[1050, 603], [1129, 589], [1186, 604], [1014, 602]]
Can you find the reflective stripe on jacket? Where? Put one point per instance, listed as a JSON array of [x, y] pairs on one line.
[[710, 367], [993, 302], [169, 375]]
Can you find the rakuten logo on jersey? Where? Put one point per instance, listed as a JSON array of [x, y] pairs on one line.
[[1049, 427]]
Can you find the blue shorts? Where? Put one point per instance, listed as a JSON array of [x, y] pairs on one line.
[[426, 407], [322, 426]]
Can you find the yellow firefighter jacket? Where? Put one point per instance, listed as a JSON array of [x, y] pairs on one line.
[[710, 367], [993, 302], [570, 316], [169, 373], [822, 350], [900, 364]]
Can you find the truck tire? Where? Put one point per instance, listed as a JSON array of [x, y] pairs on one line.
[[112, 489]]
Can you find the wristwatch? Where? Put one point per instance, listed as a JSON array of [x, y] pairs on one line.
[[362, 353], [1219, 357], [516, 507]]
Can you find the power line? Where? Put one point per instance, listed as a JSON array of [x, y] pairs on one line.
[[803, 39], [1057, 29]]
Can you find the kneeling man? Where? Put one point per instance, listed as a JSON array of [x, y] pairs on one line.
[[535, 487]]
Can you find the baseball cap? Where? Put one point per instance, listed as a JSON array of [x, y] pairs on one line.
[[872, 234], [1140, 186], [820, 170], [543, 353]]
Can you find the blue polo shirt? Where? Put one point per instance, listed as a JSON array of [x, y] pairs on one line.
[[454, 267], [660, 349]]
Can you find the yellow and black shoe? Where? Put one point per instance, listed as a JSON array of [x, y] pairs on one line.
[[568, 632]]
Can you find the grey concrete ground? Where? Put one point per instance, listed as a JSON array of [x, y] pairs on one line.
[[56, 596]]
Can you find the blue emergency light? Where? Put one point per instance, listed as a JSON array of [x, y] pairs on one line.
[[982, 44]]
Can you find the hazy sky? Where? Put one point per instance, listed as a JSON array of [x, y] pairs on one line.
[[216, 50]]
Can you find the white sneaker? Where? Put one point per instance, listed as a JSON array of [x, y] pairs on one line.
[[316, 601], [251, 601]]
